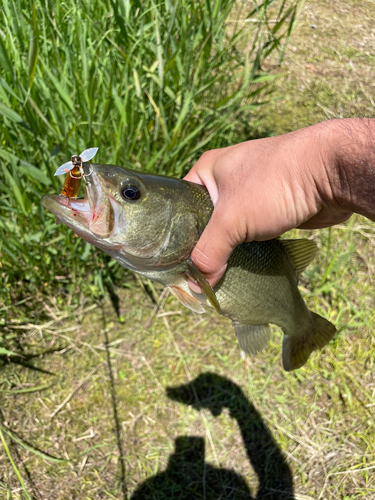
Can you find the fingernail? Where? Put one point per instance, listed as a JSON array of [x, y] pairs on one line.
[[194, 286]]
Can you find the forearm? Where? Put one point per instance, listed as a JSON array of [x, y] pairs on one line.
[[353, 179]]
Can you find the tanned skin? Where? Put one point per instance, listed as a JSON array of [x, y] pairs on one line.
[[312, 178]]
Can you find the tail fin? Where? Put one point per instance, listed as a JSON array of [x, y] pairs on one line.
[[297, 348]]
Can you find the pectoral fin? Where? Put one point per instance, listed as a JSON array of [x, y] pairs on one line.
[[252, 338], [207, 289], [186, 299]]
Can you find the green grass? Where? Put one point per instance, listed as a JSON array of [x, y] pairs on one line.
[[319, 420], [143, 81]]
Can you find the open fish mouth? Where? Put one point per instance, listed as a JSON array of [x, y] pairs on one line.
[[91, 217]]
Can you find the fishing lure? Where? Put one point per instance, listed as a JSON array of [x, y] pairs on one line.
[[74, 172]]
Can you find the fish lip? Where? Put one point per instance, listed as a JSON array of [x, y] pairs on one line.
[[69, 211], [78, 213]]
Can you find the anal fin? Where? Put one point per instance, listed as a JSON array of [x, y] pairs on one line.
[[252, 338]]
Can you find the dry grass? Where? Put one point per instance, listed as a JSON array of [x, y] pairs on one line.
[[107, 409]]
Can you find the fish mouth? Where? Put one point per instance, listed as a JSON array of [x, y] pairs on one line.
[[103, 221], [92, 217]]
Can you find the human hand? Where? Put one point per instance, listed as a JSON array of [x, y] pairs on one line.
[[262, 188]]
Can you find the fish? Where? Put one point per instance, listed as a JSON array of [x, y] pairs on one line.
[[150, 224]]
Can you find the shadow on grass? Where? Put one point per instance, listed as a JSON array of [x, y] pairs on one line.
[[23, 359], [117, 428], [189, 477]]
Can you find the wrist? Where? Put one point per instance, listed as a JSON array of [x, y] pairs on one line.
[[316, 168], [352, 145]]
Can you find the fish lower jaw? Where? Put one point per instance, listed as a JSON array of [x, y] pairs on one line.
[[65, 208]]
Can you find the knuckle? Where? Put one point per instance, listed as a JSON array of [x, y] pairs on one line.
[[233, 223], [203, 262], [209, 155]]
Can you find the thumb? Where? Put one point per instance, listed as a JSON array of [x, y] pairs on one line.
[[218, 240]]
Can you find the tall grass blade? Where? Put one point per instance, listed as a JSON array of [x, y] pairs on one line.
[[34, 45], [17, 472], [34, 450]]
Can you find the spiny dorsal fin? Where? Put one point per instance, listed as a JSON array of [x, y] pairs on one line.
[[252, 338], [301, 252]]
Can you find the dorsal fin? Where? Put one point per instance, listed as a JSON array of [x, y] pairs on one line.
[[301, 252]]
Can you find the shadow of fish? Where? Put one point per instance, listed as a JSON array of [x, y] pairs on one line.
[[150, 224]]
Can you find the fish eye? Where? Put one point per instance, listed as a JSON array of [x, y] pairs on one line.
[[130, 193]]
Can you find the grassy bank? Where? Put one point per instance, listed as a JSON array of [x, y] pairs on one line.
[[160, 403]]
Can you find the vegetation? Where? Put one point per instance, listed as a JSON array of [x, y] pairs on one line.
[[155, 401], [143, 81]]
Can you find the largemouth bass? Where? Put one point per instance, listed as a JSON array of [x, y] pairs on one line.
[[151, 223]]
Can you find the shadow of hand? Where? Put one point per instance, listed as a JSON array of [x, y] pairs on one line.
[[214, 392], [189, 477]]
